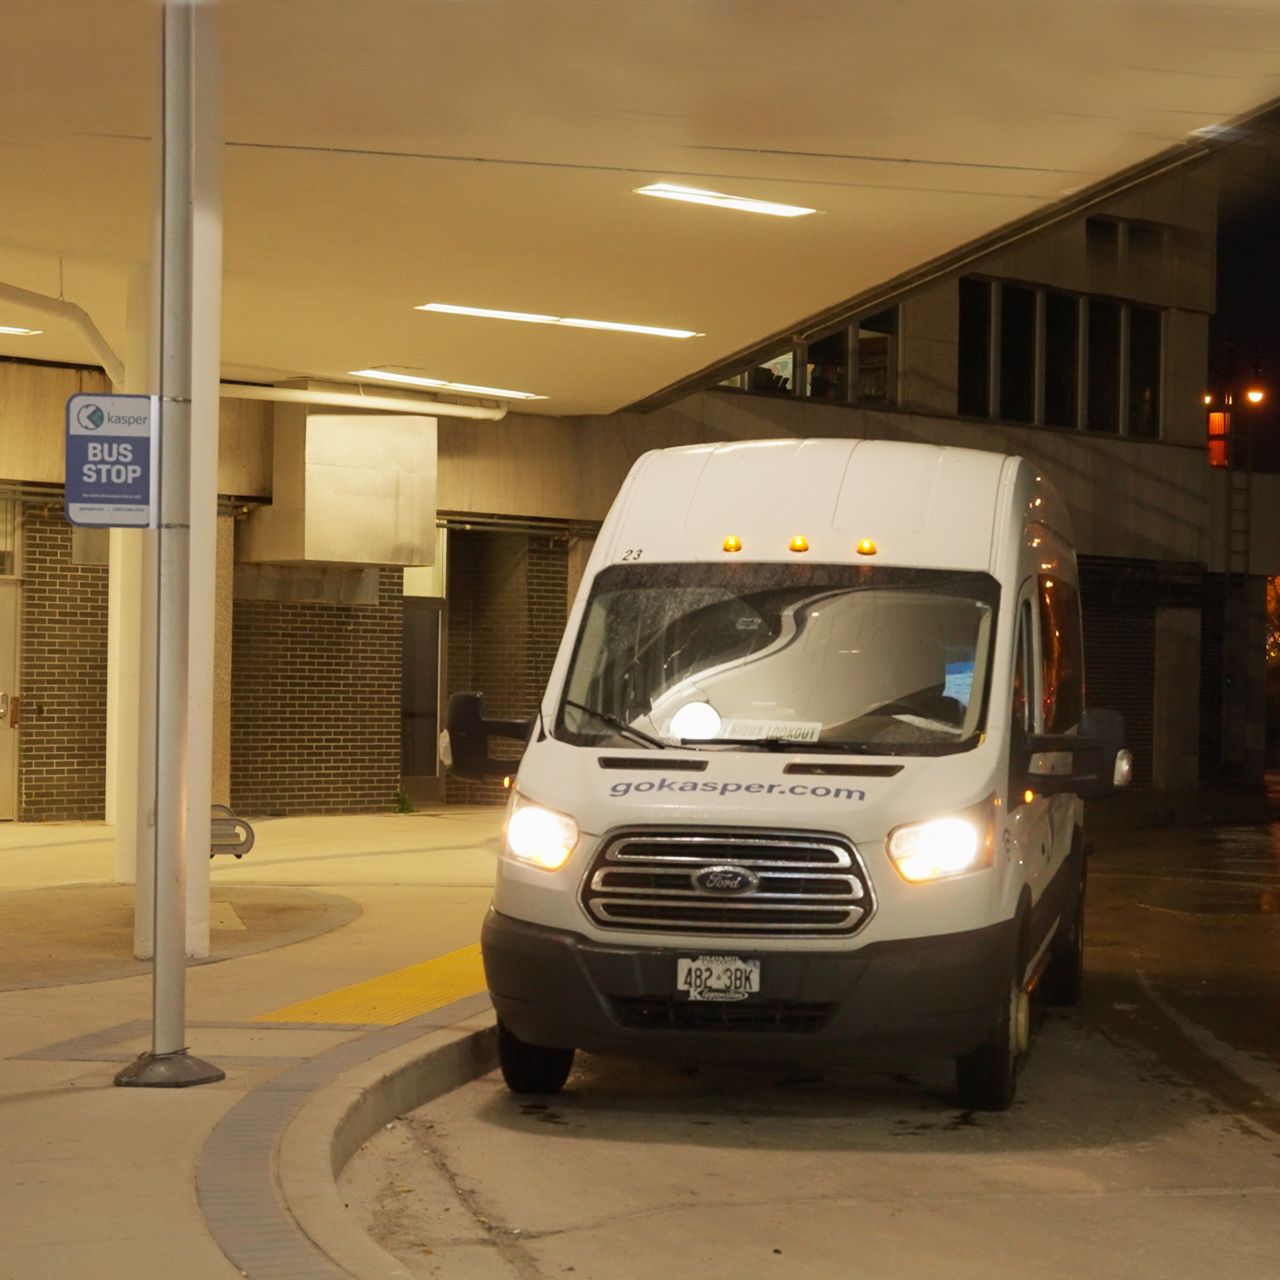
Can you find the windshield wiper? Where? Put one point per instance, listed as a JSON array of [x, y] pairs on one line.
[[617, 725], [779, 744]]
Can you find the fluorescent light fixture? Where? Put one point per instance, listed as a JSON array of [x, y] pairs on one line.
[[533, 317], [439, 384], [692, 195], [13, 332], [1215, 132]]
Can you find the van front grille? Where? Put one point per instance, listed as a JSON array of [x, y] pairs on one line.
[[744, 883], [666, 1013]]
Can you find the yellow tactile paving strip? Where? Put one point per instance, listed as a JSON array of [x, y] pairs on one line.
[[393, 997]]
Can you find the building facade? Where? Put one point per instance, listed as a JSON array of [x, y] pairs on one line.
[[1081, 344]]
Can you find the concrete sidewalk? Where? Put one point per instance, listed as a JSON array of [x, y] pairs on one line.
[[97, 1181]]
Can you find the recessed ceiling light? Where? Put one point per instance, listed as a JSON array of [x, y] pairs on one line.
[[533, 317], [669, 191], [10, 331], [439, 384]]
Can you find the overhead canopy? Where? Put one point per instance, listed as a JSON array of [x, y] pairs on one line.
[[485, 153]]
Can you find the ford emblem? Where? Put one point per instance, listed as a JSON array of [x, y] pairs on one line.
[[727, 880]]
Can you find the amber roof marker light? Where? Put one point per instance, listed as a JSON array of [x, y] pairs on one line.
[[866, 547], [798, 543], [732, 544]]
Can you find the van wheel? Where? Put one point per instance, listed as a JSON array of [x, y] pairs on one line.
[[1064, 976], [987, 1078], [531, 1068]]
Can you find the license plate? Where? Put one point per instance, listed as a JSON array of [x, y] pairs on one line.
[[717, 977]]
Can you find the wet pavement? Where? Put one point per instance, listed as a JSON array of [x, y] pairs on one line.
[[1145, 1141]]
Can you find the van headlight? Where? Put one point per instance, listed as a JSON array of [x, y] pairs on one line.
[[943, 847], [538, 837]]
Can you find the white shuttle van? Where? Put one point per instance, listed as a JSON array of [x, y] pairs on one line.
[[806, 778]]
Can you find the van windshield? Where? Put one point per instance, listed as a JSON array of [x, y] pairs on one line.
[[779, 656]]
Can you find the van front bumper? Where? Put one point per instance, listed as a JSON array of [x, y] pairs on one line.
[[922, 995]]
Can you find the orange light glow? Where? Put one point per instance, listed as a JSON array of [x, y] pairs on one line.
[[1219, 434], [1028, 797], [506, 781], [1255, 396], [799, 543], [1208, 399], [732, 544], [866, 547]]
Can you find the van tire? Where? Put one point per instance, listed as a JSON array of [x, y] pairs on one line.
[[531, 1068], [1064, 976], [987, 1077]]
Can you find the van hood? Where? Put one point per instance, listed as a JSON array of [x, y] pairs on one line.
[[859, 796]]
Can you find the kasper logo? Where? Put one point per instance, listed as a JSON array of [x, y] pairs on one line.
[[90, 416], [727, 880]]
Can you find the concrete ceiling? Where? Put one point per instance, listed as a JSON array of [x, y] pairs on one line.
[[484, 153]]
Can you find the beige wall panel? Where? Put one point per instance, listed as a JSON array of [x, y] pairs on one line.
[[1055, 256], [1176, 755], [1264, 555], [1184, 275], [33, 406], [33, 402], [929, 349], [1186, 360], [244, 448]]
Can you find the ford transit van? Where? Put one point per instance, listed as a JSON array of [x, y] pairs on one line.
[[806, 779]]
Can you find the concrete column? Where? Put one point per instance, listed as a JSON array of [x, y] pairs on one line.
[[206, 364], [1176, 735], [125, 598]]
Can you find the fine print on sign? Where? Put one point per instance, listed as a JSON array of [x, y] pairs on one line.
[[110, 472]]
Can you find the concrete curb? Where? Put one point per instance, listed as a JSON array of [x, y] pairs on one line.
[[333, 1124]]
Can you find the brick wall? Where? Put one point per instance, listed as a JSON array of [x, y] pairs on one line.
[[315, 704], [62, 744], [506, 615]]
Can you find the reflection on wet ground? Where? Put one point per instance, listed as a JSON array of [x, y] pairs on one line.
[[1228, 871], [1183, 927]]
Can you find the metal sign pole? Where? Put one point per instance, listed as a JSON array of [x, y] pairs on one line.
[[169, 1064]]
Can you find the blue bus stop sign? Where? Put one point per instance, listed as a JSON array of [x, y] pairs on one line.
[[110, 472]]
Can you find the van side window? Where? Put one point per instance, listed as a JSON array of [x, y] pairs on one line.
[[1061, 654]]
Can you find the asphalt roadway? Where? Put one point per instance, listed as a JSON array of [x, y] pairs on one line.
[[344, 991], [1145, 1141]]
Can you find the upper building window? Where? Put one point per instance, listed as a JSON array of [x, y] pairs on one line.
[[827, 368], [1144, 372], [878, 358], [1061, 359], [856, 363], [1032, 355], [776, 376], [1017, 353], [1103, 401], [974, 382]]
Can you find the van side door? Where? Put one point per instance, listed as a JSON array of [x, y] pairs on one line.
[[1062, 691], [1029, 819]]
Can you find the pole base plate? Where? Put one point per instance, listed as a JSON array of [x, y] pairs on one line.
[[168, 1071]]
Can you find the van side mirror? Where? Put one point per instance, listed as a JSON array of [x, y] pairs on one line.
[[464, 744], [1101, 764]]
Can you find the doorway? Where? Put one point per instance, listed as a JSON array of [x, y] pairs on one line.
[[420, 701], [421, 664]]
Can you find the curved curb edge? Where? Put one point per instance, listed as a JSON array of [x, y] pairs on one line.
[[337, 1119]]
